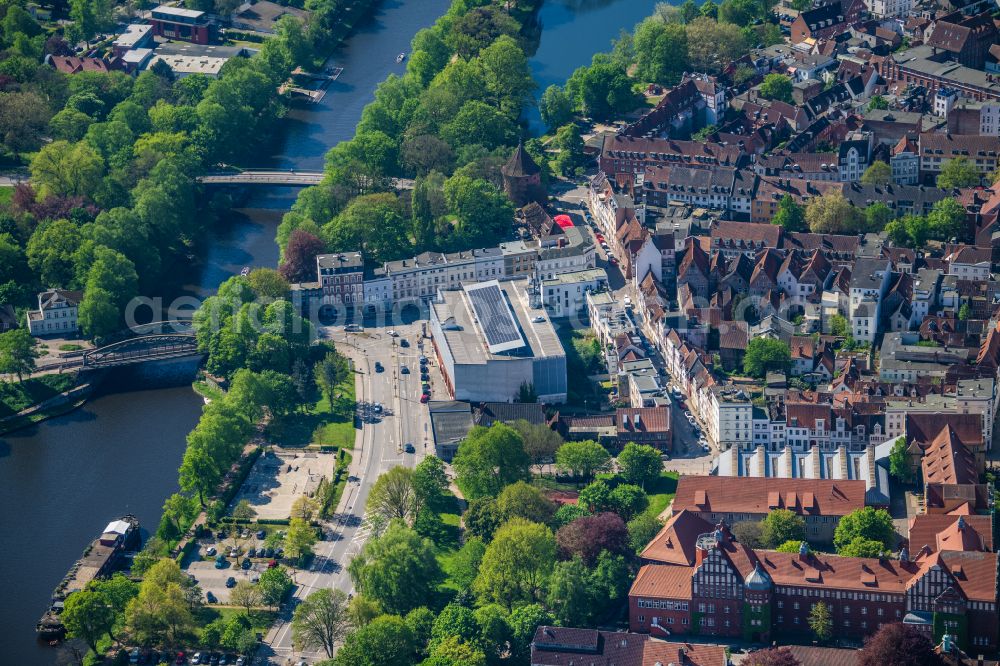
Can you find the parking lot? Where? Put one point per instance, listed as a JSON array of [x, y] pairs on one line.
[[278, 479], [213, 580]]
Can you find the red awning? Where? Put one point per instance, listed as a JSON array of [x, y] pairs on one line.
[[563, 221]]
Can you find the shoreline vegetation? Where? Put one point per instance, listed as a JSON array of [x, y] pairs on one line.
[[157, 133]]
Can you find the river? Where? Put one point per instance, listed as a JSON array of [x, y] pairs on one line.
[[63, 480]]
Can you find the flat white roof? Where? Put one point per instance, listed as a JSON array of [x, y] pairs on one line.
[[133, 33], [137, 56], [191, 64], [178, 11], [116, 527]]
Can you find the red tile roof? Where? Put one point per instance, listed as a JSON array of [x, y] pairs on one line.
[[925, 528], [674, 544], [664, 581], [642, 419], [817, 497]]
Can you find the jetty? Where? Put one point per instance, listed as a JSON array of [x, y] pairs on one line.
[[310, 85]]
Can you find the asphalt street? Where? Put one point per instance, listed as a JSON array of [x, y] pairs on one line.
[[379, 447]]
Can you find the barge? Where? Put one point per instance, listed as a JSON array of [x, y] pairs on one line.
[[101, 558]]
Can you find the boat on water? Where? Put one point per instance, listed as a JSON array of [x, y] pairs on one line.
[[401, 57], [245, 272], [101, 558]]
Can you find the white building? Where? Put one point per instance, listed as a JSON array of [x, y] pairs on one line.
[[491, 342], [56, 314], [989, 118], [869, 281], [566, 294], [889, 8], [729, 417]]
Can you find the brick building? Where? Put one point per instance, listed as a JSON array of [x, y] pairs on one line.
[[820, 502], [341, 277], [188, 25], [710, 584]]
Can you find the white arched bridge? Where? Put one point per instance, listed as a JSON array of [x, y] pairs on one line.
[[277, 177]]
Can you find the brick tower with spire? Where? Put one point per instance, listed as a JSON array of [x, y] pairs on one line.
[[522, 178]]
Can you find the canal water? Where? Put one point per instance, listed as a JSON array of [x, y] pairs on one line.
[[63, 480]]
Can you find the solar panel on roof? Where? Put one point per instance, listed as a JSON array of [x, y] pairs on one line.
[[495, 317]]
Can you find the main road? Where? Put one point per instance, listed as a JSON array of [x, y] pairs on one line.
[[379, 447]]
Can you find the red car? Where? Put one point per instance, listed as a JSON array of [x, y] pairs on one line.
[[599, 237], [180, 658], [272, 564], [424, 398], [612, 261]]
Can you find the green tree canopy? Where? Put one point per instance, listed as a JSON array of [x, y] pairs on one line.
[[385, 641], [764, 354], [958, 172], [516, 563], [790, 215], [775, 86], [521, 500], [489, 459], [899, 462], [878, 173], [397, 569], [782, 525], [640, 464], [320, 621], [582, 459], [869, 523]]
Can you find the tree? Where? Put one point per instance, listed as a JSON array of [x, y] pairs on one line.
[[540, 441], [642, 529], [711, 45], [879, 173], [569, 594], [588, 536], [305, 507], [87, 616], [771, 657], [520, 500], [162, 609], [298, 261], [394, 496], [489, 459], [320, 621], [571, 151], [661, 51], [821, 621], [507, 75], [766, 354], [267, 283], [17, 353], [23, 116], [750, 533], [601, 90], [775, 86], [516, 563], [245, 594], [628, 500], [867, 522], [452, 651], [640, 463], [64, 169], [947, 220], [199, 473], [838, 326], [397, 569], [274, 584], [877, 216], [899, 462], [959, 172], [483, 518], [832, 213], [464, 566], [964, 312], [793, 546], [582, 459], [878, 103], [385, 641], [862, 547], [243, 512], [790, 215], [330, 372], [300, 539], [899, 645], [430, 482], [555, 107], [782, 525]]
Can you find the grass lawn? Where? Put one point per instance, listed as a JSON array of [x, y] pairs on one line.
[[549, 483], [6, 195], [321, 425], [661, 493], [15, 396], [206, 390], [447, 542]]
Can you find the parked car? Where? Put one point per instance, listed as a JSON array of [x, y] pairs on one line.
[[272, 564], [230, 582], [705, 448], [196, 659], [214, 660], [224, 660], [261, 534], [424, 398], [220, 563], [403, 370], [392, 333], [234, 552], [210, 551], [423, 360], [210, 596], [246, 563], [221, 534], [409, 448], [353, 328], [241, 661], [404, 343], [180, 659], [378, 367]]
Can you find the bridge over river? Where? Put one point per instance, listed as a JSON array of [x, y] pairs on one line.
[[280, 178]]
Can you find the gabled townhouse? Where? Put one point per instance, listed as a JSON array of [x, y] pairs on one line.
[[869, 281], [969, 262], [735, 238], [625, 154]]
